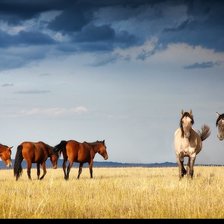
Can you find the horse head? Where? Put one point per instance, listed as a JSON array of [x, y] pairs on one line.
[[5, 155], [102, 149], [186, 123], [54, 156], [220, 126], [54, 159]]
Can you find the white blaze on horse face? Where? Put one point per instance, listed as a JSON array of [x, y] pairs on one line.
[[221, 130], [186, 122], [8, 163]]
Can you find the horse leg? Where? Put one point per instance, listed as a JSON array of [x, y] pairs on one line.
[[188, 167], [191, 168], [64, 167], [38, 171], [29, 165], [91, 169], [68, 170], [182, 170], [44, 170], [80, 169]]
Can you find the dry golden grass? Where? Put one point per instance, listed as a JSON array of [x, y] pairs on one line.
[[114, 193]]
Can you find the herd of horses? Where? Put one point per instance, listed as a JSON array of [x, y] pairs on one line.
[[39, 152], [187, 143]]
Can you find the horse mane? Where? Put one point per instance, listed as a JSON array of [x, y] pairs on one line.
[[185, 114], [94, 143], [60, 147], [221, 116], [3, 147]]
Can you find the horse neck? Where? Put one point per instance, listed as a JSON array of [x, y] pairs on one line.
[[2, 148], [94, 146], [49, 150], [182, 132]]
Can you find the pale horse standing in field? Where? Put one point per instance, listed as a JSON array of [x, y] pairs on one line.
[[220, 126], [188, 143]]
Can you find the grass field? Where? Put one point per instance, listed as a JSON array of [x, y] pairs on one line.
[[141, 193]]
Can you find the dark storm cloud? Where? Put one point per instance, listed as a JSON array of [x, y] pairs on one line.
[[204, 26], [105, 34], [14, 11], [208, 64], [34, 38], [24, 38], [93, 33], [72, 19], [205, 19], [105, 25]]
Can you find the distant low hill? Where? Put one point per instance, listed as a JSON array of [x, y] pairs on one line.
[[102, 164], [109, 164]]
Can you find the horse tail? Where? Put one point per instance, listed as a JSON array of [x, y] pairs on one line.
[[18, 160], [205, 132], [60, 147]]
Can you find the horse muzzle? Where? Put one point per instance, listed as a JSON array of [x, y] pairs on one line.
[[9, 164], [105, 157], [220, 137]]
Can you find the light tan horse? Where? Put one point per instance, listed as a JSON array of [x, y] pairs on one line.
[[188, 143], [220, 126]]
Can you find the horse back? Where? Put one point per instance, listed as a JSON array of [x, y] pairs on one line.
[[34, 152], [78, 152]]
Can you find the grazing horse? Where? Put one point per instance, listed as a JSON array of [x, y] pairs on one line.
[[5, 155], [74, 151], [220, 125], [34, 152], [188, 143]]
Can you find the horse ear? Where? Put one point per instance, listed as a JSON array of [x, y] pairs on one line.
[[11, 147], [217, 114], [190, 112], [182, 112], [103, 141]]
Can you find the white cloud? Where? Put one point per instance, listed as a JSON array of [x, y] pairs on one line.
[[144, 20], [136, 52], [11, 29], [180, 54], [53, 111], [183, 54]]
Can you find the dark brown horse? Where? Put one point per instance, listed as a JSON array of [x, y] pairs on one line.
[[74, 151], [34, 152], [5, 155]]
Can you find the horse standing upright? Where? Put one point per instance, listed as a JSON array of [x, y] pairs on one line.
[[34, 152], [188, 143], [5, 154], [74, 151], [220, 126]]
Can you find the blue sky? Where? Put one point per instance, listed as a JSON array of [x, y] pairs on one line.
[[115, 70]]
